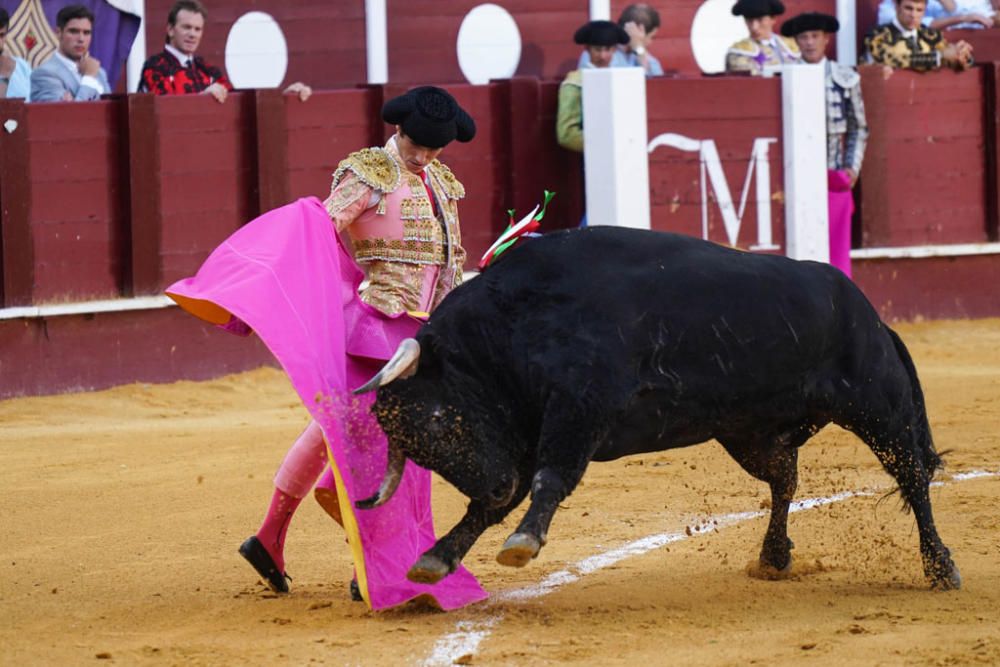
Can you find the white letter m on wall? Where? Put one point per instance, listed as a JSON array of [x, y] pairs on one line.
[[708, 156]]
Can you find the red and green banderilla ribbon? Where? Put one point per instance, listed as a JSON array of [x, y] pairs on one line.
[[515, 232]]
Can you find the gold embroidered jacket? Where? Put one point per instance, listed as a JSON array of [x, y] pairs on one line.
[[886, 45], [409, 245], [748, 55]]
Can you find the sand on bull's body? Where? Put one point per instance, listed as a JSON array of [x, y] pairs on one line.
[[122, 511]]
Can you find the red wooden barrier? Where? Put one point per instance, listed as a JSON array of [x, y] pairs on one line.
[[64, 232], [985, 43], [922, 181], [194, 178], [300, 144], [732, 112]]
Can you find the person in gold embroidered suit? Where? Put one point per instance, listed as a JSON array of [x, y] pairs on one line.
[[906, 44], [763, 51], [399, 207]]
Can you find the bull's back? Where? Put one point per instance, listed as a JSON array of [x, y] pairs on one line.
[[652, 319]]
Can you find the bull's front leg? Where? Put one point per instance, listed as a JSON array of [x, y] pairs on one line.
[[548, 488], [444, 557]]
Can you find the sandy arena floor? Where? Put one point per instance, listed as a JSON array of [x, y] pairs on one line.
[[122, 511]]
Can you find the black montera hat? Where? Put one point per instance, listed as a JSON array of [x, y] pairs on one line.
[[600, 33], [753, 9], [809, 21], [429, 116]]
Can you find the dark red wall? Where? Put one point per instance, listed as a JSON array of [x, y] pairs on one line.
[[65, 201], [194, 178], [923, 177], [94, 351]]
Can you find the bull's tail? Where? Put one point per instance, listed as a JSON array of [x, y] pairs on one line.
[[921, 427]]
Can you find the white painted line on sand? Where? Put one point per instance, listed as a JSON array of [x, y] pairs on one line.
[[469, 634]]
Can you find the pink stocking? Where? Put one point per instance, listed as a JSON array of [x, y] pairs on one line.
[[298, 472]]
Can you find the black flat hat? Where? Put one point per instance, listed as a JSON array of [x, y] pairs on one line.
[[753, 9], [600, 33], [429, 116], [809, 21]]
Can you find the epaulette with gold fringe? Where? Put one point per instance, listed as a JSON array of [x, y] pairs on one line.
[[453, 188], [374, 167]]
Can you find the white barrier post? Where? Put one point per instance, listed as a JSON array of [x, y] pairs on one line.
[[616, 164], [377, 41], [803, 111]]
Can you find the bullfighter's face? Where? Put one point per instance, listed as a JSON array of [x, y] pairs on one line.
[[418, 417], [812, 45], [910, 13], [600, 56], [760, 27]]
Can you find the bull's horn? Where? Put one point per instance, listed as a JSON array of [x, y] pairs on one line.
[[402, 365], [393, 474]]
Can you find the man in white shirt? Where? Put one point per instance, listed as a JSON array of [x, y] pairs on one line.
[[15, 74], [71, 74]]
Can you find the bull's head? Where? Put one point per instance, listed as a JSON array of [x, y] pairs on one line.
[[418, 408]]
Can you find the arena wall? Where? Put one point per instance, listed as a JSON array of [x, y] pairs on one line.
[[110, 202]]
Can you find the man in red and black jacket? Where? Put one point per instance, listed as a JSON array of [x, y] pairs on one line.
[[178, 71]]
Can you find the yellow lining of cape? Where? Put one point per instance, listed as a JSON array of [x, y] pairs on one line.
[[202, 309], [350, 526]]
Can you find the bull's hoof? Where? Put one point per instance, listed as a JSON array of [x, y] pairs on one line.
[[428, 570], [950, 580], [758, 569], [518, 550]]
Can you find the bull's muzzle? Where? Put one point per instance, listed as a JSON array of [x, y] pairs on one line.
[[402, 365]]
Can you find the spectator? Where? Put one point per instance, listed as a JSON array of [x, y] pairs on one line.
[[904, 43], [641, 23], [71, 73], [601, 40], [762, 51], [178, 71], [947, 14], [846, 127], [15, 73]]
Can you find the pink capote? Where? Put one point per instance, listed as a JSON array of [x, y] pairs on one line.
[[287, 276], [841, 202]]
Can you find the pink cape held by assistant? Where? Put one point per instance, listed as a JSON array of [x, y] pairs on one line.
[[287, 277]]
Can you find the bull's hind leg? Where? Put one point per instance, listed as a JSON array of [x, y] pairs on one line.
[[773, 459], [911, 463]]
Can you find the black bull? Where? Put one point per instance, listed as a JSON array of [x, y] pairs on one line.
[[594, 344]]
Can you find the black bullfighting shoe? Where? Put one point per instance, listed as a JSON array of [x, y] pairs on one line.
[[257, 555], [356, 591]]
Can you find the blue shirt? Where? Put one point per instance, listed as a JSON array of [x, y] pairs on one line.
[[622, 58], [20, 81]]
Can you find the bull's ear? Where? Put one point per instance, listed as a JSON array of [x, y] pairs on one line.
[[402, 365]]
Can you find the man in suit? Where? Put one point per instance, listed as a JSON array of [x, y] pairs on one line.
[[71, 74]]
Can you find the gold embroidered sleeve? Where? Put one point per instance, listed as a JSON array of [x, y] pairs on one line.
[[348, 199]]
